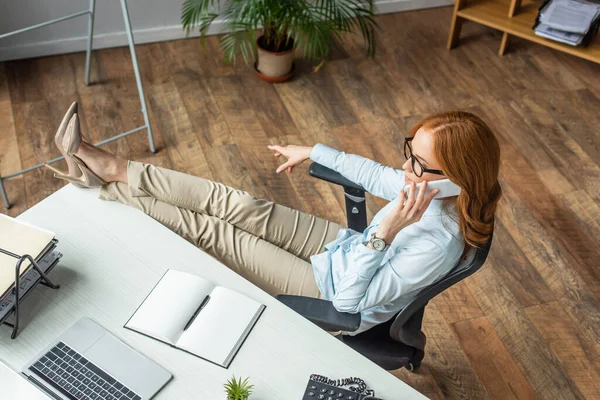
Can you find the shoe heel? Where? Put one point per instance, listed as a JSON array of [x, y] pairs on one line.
[[74, 181], [55, 170]]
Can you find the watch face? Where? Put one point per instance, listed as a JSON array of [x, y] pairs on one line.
[[378, 244]]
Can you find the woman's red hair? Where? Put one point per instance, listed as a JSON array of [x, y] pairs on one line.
[[469, 155]]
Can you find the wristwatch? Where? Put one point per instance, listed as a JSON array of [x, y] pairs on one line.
[[376, 243]]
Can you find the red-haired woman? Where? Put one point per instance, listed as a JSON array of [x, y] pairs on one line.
[[412, 242]]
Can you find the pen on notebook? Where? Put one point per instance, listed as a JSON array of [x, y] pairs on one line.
[[197, 312]]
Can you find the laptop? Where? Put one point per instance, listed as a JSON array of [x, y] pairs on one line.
[[88, 362]]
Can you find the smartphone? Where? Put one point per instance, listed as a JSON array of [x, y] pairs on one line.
[[445, 186]]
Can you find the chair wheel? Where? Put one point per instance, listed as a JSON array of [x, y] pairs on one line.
[[412, 367]]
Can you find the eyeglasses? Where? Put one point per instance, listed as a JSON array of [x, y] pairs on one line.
[[417, 167]]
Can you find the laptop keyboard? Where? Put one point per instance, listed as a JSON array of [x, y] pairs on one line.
[[77, 378]]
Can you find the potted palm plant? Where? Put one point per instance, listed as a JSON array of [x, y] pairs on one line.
[[285, 25]]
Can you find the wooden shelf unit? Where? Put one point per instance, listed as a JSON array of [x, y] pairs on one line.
[[512, 17]]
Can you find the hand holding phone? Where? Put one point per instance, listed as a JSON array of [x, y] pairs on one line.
[[408, 210], [446, 187]]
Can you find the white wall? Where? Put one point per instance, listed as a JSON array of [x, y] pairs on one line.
[[152, 21]]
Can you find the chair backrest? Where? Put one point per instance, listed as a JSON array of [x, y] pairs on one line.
[[464, 268]]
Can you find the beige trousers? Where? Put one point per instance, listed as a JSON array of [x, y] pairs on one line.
[[266, 243]]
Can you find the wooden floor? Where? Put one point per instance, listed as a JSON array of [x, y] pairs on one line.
[[528, 324]]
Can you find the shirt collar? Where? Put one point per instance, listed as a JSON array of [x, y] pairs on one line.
[[435, 208]]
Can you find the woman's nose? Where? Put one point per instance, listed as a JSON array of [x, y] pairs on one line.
[[407, 166]]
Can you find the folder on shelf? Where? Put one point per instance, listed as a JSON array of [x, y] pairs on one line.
[[573, 22]]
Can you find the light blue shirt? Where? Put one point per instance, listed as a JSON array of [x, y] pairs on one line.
[[377, 284]]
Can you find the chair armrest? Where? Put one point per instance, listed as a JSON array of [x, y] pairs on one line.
[[319, 171], [322, 313]]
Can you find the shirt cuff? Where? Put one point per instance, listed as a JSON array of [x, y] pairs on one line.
[[367, 261], [324, 155]]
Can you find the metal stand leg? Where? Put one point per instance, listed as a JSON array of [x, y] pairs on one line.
[[44, 279], [4, 197], [88, 53], [138, 79]]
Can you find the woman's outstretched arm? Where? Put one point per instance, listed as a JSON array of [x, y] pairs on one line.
[[377, 179]]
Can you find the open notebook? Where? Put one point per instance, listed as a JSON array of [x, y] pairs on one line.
[[194, 315], [19, 238]]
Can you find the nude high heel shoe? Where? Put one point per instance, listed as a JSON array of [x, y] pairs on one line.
[[74, 170], [79, 175]]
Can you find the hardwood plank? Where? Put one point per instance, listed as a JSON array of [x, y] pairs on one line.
[[464, 66], [10, 160], [422, 380], [393, 100], [228, 167], [484, 54], [202, 59], [415, 95], [252, 141], [457, 304], [579, 357], [555, 181], [60, 89], [565, 152], [173, 124], [446, 360], [586, 71], [335, 108], [307, 111], [31, 122], [209, 122], [355, 88], [506, 123], [553, 217], [103, 104], [532, 355], [122, 89], [528, 284], [551, 66], [569, 120], [585, 101], [268, 107], [554, 264], [28, 74], [59, 78], [585, 211], [450, 92], [155, 65], [492, 362]]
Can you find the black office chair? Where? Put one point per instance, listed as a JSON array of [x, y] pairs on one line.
[[398, 342]]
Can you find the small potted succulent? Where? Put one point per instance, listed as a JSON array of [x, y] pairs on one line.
[[236, 389], [285, 25]]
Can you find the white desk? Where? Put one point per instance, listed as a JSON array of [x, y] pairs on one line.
[[17, 386], [113, 256]]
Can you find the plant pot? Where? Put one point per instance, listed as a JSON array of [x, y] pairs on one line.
[[274, 66]]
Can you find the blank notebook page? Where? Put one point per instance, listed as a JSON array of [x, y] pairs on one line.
[[170, 305], [220, 325]]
